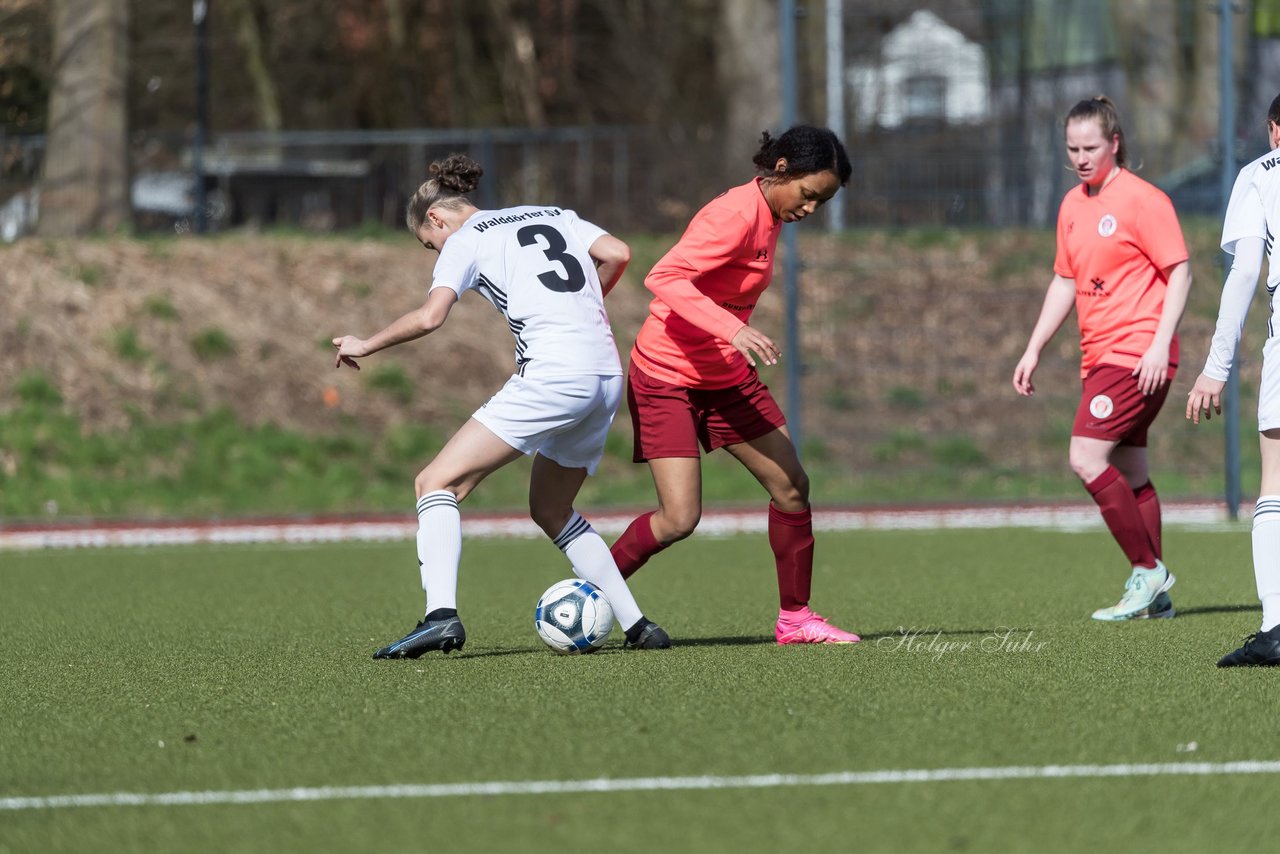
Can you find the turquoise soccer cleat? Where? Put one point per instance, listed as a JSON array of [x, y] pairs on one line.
[[1144, 598]]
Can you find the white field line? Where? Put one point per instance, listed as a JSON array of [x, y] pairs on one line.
[[638, 784], [722, 523]]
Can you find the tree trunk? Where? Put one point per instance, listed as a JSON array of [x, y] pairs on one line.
[[1200, 105], [518, 65], [84, 185], [747, 64], [402, 64], [249, 36], [1150, 47]]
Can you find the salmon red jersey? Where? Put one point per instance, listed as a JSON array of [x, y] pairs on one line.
[[705, 289], [1116, 245]]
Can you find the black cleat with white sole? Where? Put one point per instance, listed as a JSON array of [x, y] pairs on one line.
[[646, 634], [1259, 650], [445, 634]]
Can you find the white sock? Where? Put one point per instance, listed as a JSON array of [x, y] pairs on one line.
[[439, 548], [592, 562], [1266, 558]]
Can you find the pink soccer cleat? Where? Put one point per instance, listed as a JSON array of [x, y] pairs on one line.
[[804, 626]]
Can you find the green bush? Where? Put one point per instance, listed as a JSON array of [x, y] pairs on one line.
[[160, 307], [389, 378], [35, 389], [905, 397], [410, 444], [899, 444], [90, 274], [212, 344], [840, 399], [127, 346], [958, 452]]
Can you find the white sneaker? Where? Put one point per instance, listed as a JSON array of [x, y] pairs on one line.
[[1143, 597], [1161, 609]]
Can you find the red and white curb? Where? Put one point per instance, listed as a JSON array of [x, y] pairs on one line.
[[1069, 517]]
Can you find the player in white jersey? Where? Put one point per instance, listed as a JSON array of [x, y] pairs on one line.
[[1248, 231], [547, 272]]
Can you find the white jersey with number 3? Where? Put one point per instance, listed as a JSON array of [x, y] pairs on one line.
[[532, 264]]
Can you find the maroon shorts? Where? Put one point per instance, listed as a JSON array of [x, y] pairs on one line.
[[1112, 407], [672, 421]]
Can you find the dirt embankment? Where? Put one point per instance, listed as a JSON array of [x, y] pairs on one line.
[[168, 328], [907, 339]]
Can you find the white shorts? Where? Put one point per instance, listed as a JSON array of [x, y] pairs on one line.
[[1269, 387], [566, 419]]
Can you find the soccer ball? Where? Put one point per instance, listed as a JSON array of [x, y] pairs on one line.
[[573, 616]]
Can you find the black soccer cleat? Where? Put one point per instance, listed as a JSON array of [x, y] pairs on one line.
[[646, 634], [1259, 650], [445, 635]]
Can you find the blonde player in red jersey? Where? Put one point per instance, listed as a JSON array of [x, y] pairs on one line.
[[1122, 262], [693, 379]]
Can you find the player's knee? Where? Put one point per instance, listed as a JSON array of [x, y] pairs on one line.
[[1087, 467], [427, 481], [550, 519], [424, 483], [673, 527], [794, 496]]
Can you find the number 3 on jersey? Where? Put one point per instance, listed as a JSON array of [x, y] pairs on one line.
[[555, 251]]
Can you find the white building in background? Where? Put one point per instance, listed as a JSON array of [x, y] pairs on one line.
[[18, 215], [927, 71]]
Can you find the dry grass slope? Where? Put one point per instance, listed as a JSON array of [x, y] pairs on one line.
[[909, 340]]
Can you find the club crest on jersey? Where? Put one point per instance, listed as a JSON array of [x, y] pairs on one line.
[[1101, 406], [1107, 226]]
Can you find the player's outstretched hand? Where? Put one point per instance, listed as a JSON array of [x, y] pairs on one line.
[[349, 347], [1205, 397], [749, 341]]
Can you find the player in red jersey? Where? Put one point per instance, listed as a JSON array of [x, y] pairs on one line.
[[693, 379], [1122, 262]]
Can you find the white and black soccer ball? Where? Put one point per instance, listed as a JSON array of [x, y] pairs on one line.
[[573, 617]]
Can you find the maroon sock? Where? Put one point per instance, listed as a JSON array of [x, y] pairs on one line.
[[791, 537], [636, 545], [1149, 507], [1120, 511]]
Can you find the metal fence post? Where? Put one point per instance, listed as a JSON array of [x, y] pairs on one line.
[[200, 16], [835, 97], [790, 265], [1227, 140]]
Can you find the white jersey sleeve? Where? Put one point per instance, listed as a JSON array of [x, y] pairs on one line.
[[457, 268], [1246, 216], [587, 232], [1246, 234], [1237, 293]]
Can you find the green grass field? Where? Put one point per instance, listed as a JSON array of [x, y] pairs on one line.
[[247, 668]]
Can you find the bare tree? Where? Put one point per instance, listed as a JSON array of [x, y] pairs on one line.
[[249, 34], [401, 61], [85, 182], [518, 63], [1172, 70], [1156, 82], [747, 65]]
